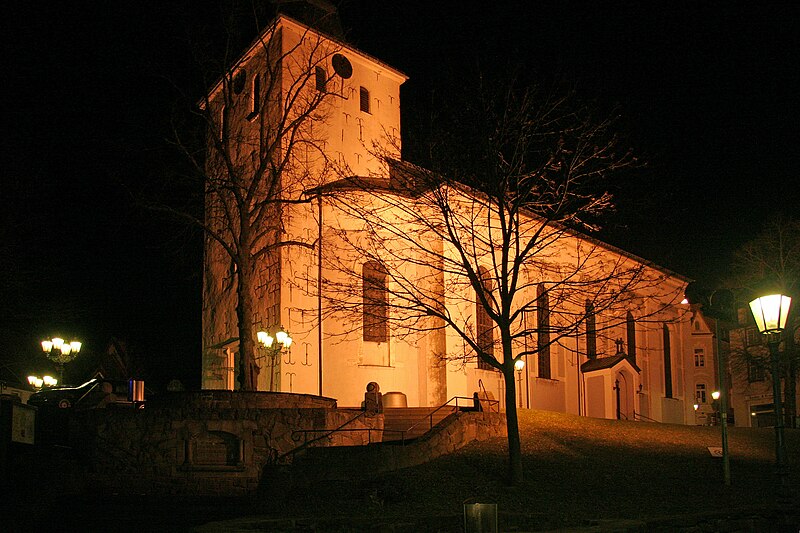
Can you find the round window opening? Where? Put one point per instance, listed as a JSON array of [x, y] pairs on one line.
[[342, 66]]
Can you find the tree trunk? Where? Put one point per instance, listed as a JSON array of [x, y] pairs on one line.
[[248, 370], [512, 427]]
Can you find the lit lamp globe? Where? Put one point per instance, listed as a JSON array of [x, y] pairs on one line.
[[771, 313], [281, 337], [519, 364]]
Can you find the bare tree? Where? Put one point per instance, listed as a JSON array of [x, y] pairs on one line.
[[260, 151], [771, 263], [486, 251]]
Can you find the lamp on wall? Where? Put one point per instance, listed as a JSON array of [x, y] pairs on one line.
[[771, 313]]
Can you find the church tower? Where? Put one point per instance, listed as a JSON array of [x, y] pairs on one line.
[[300, 108]]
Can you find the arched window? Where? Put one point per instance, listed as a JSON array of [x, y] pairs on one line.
[[630, 324], [375, 302], [591, 331], [667, 364], [485, 330], [543, 331]]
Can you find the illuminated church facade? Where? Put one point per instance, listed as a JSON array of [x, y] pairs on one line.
[[656, 368]]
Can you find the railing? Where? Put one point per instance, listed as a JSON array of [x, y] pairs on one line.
[[495, 403], [296, 434], [640, 416], [326, 433], [473, 405]]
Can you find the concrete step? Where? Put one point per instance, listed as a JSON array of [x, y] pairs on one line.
[[412, 421]]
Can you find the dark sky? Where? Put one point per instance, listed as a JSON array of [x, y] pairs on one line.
[[707, 92]]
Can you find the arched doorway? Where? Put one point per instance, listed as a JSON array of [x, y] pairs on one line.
[[623, 385]]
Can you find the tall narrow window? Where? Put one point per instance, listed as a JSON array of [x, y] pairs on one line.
[[255, 95], [321, 78], [543, 331], [364, 99], [591, 331], [485, 331], [667, 364], [375, 302], [630, 324]]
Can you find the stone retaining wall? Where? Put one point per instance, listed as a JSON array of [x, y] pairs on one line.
[[221, 443], [201, 444]]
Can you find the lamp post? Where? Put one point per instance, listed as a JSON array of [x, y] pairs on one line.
[[274, 346], [519, 364], [61, 352], [719, 305], [770, 313]]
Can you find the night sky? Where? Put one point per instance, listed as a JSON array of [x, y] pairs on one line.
[[707, 95]]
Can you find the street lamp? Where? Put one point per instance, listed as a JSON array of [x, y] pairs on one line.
[[61, 352], [715, 404], [283, 340], [274, 346], [519, 364], [770, 313], [45, 381]]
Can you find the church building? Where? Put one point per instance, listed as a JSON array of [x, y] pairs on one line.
[[298, 107]]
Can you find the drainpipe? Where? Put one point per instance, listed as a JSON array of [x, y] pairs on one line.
[[319, 289]]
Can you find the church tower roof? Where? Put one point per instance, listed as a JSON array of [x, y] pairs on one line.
[[320, 15]]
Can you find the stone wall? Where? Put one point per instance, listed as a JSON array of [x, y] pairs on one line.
[[227, 443], [209, 444]]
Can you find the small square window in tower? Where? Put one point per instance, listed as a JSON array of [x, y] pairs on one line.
[[364, 100]]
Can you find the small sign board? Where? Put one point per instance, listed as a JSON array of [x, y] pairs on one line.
[[715, 451], [23, 422]]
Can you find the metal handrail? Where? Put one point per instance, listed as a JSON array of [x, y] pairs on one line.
[[640, 416], [351, 430], [429, 416], [327, 433]]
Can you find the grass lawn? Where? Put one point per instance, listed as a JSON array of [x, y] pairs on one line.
[[576, 469]]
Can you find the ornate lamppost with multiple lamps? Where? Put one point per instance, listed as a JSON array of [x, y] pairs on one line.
[[61, 352], [274, 346]]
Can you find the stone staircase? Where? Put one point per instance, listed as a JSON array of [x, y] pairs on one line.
[[404, 423], [318, 463]]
